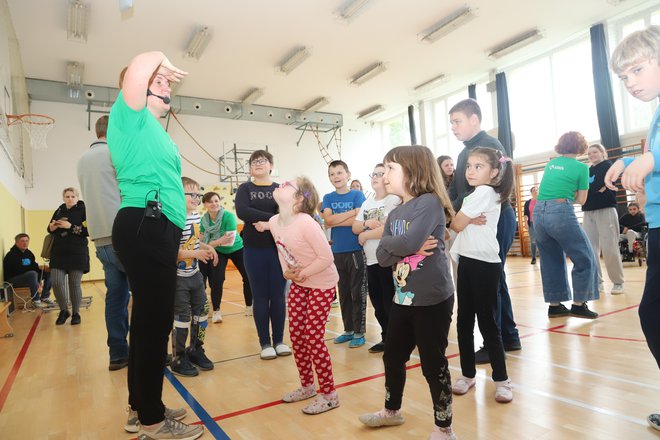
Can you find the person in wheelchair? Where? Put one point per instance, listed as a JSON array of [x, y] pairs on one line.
[[632, 225]]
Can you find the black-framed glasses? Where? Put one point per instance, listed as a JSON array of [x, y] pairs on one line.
[[378, 174], [261, 161], [194, 196]]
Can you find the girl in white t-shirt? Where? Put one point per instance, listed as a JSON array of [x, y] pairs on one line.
[[477, 251], [368, 226]]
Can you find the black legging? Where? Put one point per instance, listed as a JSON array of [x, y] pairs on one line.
[[148, 248], [216, 276]]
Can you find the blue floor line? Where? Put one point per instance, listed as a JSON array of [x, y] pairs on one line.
[[211, 426]]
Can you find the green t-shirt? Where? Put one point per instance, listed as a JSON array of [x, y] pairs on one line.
[[146, 161], [228, 224], [562, 177]]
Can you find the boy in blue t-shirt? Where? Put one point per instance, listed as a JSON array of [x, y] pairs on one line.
[[191, 308], [339, 209], [636, 61]]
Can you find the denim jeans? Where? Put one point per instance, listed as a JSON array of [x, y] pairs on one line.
[[116, 302], [532, 239], [559, 234], [506, 230]]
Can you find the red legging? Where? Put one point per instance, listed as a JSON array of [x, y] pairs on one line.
[[308, 312]]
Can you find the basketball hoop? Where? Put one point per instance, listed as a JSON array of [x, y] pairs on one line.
[[37, 127]]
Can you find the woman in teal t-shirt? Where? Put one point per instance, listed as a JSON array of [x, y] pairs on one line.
[[218, 229], [558, 233]]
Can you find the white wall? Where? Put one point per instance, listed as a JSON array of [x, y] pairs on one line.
[[55, 168]]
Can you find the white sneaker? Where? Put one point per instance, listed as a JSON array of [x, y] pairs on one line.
[[601, 287], [503, 391], [268, 353], [38, 303], [248, 310], [617, 289], [217, 317], [282, 349]]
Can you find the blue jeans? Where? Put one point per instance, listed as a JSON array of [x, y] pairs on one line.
[[116, 302], [267, 284], [559, 234], [506, 230], [31, 280], [532, 239]]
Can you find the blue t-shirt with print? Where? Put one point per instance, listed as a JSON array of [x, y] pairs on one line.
[[343, 239]]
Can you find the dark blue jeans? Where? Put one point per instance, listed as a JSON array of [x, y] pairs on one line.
[[267, 283], [506, 230], [116, 302], [31, 280], [649, 307]]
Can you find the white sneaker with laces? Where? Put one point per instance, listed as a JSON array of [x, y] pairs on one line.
[[617, 289], [133, 423], [217, 317]]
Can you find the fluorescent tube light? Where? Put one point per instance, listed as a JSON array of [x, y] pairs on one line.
[[368, 112], [198, 43], [351, 9], [252, 95], [74, 78], [436, 80], [76, 23], [316, 104], [366, 74], [515, 43], [293, 59], [448, 24]]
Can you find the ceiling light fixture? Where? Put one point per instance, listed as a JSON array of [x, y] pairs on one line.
[[74, 78], [366, 74], [198, 43], [448, 24], [293, 59], [252, 95], [368, 112], [351, 9], [76, 23], [515, 43], [435, 81], [316, 104]]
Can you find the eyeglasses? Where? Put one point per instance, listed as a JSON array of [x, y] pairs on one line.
[[194, 196], [378, 174], [256, 162], [288, 183]]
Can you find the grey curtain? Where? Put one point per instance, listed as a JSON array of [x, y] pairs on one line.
[[472, 91], [503, 117]]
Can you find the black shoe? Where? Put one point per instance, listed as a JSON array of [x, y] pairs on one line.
[[181, 366], [533, 261], [168, 360], [557, 311], [62, 317], [75, 319], [118, 364], [512, 346], [378, 348], [481, 356], [199, 359], [583, 312]]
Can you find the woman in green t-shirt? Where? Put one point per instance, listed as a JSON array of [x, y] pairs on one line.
[[218, 228], [558, 233]]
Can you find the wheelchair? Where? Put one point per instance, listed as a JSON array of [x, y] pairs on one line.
[[638, 248]]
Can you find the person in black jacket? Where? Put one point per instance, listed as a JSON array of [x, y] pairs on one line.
[[21, 270], [529, 212], [70, 253], [630, 225]]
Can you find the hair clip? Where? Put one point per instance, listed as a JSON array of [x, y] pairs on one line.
[[306, 194], [504, 159]]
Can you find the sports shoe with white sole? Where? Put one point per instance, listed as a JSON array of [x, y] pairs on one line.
[[384, 417], [133, 423], [172, 430]]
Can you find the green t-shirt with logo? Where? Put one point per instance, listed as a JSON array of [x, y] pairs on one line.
[[228, 223], [147, 161], [562, 177]]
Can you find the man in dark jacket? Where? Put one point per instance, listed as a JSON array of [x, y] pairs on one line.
[[21, 270]]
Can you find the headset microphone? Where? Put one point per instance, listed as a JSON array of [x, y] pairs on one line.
[[165, 99]]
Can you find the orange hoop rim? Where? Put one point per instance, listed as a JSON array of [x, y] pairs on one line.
[[25, 118]]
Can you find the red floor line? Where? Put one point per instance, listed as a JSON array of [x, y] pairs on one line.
[[11, 377], [599, 337]]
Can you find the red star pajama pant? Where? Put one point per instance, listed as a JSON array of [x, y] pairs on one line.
[[308, 312]]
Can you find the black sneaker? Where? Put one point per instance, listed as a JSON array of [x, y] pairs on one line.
[[181, 366], [199, 359], [62, 317], [583, 312], [481, 356], [168, 360], [533, 261], [557, 311], [378, 348], [75, 319], [118, 364], [512, 346]]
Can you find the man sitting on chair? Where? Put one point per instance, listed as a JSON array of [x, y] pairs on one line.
[[21, 270]]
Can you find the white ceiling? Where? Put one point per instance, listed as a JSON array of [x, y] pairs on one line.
[[250, 37]]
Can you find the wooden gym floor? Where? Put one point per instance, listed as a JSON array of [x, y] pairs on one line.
[[573, 379]]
